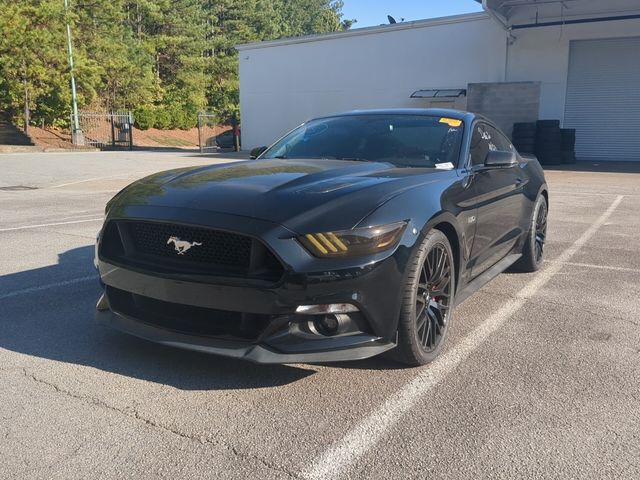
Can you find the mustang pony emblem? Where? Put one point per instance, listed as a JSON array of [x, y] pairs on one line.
[[182, 246]]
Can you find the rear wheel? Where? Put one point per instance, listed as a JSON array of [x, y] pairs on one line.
[[427, 301], [533, 250]]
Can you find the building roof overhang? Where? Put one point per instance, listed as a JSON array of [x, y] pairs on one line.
[[519, 13]]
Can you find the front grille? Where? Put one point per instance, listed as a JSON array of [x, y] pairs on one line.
[[174, 248], [209, 246], [187, 319]]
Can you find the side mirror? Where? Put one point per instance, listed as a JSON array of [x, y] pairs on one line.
[[256, 152], [500, 158]]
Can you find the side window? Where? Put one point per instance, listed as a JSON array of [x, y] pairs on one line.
[[499, 140], [479, 144], [485, 138]]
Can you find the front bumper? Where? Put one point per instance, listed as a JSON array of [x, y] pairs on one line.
[[371, 284], [281, 341]]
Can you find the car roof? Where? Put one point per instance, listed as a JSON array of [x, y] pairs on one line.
[[435, 112]]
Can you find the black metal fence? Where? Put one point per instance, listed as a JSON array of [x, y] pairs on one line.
[[104, 130]]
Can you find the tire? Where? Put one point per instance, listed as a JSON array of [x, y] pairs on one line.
[[524, 125], [568, 157], [523, 138], [524, 128], [530, 146], [532, 259], [526, 149], [548, 124], [422, 300]]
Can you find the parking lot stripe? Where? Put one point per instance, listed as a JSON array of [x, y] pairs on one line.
[[601, 267], [40, 288], [41, 225], [365, 435], [86, 180]]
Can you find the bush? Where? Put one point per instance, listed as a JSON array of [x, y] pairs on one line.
[[144, 118], [163, 119], [182, 118]]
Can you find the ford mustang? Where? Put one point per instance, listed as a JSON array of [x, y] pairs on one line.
[[353, 235]]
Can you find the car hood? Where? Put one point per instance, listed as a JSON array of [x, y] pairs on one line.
[[329, 194]]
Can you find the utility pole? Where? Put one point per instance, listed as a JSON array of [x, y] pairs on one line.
[[77, 136]]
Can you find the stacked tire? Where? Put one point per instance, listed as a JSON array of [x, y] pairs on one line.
[[568, 144], [548, 142], [524, 137]]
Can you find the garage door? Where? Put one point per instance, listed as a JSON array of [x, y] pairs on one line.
[[603, 98]]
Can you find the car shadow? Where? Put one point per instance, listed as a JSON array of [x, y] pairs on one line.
[[49, 313]]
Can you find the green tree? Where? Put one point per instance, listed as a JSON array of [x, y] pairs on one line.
[[33, 71], [166, 59]]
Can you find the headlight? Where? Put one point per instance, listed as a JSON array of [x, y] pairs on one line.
[[359, 241]]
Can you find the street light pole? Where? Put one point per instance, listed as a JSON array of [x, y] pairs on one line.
[[76, 134]]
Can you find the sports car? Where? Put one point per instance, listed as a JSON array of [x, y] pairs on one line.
[[353, 235]]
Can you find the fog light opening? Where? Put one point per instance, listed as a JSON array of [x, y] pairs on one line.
[[331, 325], [327, 325]]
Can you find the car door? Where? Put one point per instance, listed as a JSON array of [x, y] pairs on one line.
[[499, 195]]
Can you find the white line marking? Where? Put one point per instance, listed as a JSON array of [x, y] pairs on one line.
[[599, 267], [591, 194], [363, 436], [27, 227], [79, 216], [123, 176], [77, 181], [65, 283]]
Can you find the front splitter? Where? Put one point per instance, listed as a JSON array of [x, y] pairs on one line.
[[254, 352]]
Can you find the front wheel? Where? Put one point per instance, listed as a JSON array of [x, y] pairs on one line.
[[533, 250], [427, 302]]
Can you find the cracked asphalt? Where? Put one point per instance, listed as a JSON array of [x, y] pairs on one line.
[[551, 391]]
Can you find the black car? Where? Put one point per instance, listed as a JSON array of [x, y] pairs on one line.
[[353, 235], [225, 139]]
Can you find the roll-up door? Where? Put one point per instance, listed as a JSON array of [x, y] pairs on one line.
[[603, 98]]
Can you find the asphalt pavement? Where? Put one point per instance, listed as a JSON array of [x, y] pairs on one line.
[[540, 377]]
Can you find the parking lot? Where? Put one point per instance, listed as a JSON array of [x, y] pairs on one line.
[[540, 377]]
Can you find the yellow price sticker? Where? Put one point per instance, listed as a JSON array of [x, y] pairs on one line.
[[452, 122]]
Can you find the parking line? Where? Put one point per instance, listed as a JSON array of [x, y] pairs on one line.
[[365, 435], [41, 225], [40, 288], [122, 176], [591, 194], [599, 267]]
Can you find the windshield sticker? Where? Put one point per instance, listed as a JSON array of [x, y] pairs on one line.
[[452, 122], [444, 166]]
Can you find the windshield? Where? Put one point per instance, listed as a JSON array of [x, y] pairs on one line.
[[403, 140]]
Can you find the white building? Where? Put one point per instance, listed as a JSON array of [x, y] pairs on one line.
[[573, 60]]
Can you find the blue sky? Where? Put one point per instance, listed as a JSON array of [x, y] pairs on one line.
[[374, 12]]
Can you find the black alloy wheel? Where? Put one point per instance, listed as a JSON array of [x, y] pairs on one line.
[[427, 301], [533, 248], [433, 296], [541, 230]]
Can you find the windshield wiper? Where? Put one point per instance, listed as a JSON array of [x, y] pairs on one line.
[[353, 159], [281, 157]]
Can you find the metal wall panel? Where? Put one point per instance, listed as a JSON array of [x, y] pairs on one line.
[[603, 98]]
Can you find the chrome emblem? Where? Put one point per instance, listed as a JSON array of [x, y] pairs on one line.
[[182, 246]]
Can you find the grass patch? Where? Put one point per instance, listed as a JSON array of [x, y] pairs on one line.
[[171, 142]]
